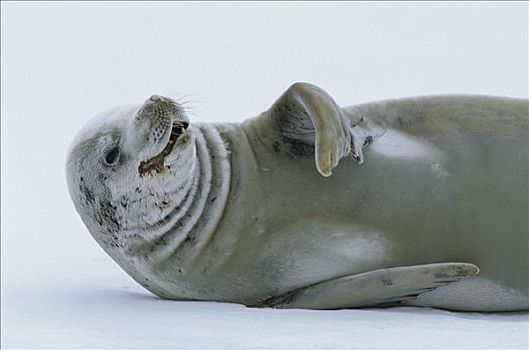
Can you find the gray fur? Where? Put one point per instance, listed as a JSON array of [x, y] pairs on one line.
[[241, 212]]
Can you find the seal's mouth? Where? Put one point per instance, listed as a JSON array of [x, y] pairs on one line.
[[156, 163]]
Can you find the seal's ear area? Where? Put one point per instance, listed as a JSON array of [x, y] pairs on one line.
[[306, 115], [378, 287]]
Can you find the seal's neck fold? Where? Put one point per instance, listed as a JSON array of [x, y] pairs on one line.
[[192, 224]]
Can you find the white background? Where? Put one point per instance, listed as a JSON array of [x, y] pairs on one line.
[[63, 62]]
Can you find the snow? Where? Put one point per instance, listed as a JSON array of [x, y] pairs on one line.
[[64, 62], [110, 315]]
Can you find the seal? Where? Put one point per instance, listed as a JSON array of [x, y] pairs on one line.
[[417, 201]]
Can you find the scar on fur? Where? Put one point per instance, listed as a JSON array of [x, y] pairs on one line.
[[156, 163]]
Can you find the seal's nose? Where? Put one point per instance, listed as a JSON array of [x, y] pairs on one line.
[[155, 98]]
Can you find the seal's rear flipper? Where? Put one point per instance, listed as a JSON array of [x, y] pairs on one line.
[[373, 288]]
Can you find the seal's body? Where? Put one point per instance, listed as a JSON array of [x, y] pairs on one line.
[[426, 189]]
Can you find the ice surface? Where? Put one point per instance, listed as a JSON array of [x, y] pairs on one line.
[[109, 315], [63, 62]]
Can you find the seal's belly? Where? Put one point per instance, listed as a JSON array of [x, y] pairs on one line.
[[415, 200], [424, 194]]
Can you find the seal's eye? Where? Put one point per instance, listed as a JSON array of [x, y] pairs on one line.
[[112, 157]]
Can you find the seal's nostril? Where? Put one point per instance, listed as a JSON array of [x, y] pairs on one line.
[[155, 98]]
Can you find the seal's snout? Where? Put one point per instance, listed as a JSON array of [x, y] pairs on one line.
[[161, 101], [155, 98], [160, 109], [164, 124]]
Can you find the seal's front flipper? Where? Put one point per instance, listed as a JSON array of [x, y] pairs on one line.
[[306, 120], [373, 288]]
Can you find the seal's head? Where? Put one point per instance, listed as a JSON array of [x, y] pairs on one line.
[[129, 167]]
